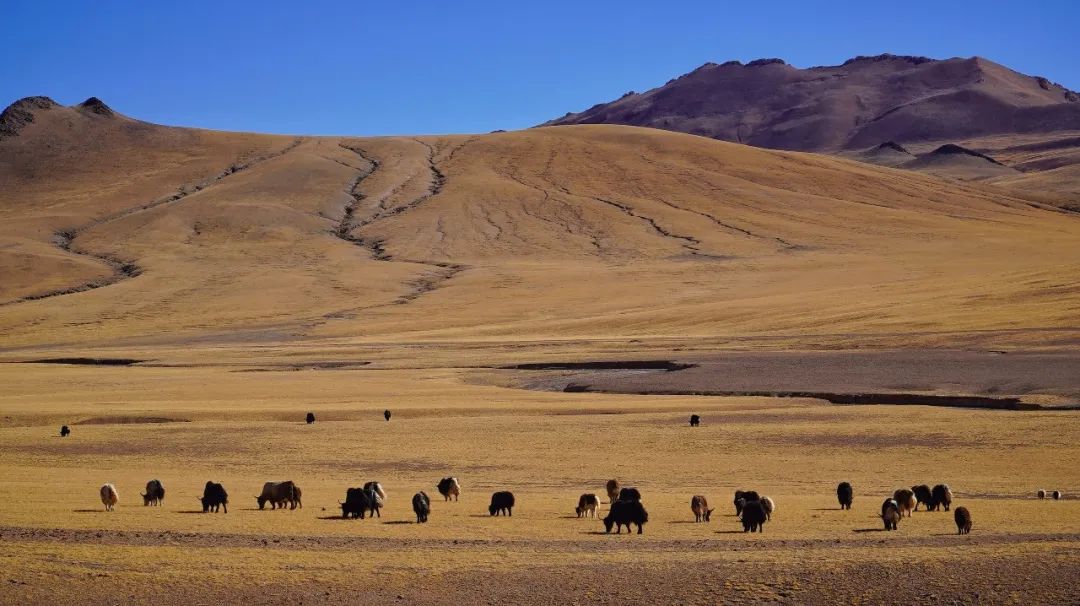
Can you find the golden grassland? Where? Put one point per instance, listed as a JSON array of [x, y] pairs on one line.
[[244, 428], [345, 276]]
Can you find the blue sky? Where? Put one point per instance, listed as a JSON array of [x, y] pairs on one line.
[[397, 67]]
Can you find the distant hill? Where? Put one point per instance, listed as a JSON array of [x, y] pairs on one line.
[[862, 103]]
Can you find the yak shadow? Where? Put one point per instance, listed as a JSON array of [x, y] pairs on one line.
[[869, 530], [599, 532], [484, 515], [685, 522], [190, 511], [395, 522], [730, 532], [828, 509], [102, 510], [334, 518]]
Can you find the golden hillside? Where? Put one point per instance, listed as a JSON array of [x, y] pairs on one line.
[[119, 232]]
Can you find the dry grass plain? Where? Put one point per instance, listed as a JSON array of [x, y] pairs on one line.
[[347, 276]]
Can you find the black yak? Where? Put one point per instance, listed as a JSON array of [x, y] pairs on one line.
[[421, 506], [923, 496], [890, 514], [214, 496], [963, 520], [625, 513], [754, 516], [356, 503], [155, 493], [845, 495], [941, 497], [502, 502]]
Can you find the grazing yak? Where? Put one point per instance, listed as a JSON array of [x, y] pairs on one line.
[[64, 431], [695, 420], [1041, 494], [356, 503], [1056, 494], [845, 495], [963, 520], [941, 496], [742, 497], [375, 495], [109, 496], [386, 414], [700, 506], [769, 506], [502, 502], [421, 506], [754, 516], [625, 513], [890, 513], [612, 491], [449, 487], [214, 496], [310, 418], [923, 496], [587, 505], [155, 493], [279, 494], [629, 494], [905, 500]]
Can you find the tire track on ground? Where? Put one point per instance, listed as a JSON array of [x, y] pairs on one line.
[[123, 269]]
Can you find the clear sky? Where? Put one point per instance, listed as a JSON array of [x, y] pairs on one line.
[[400, 67]]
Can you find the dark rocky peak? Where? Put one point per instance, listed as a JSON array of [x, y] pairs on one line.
[[952, 149], [912, 59], [20, 113], [96, 106], [761, 62], [894, 146]]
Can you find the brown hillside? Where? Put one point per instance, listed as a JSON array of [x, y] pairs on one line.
[[164, 235]]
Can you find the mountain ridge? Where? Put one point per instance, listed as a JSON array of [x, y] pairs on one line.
[[862, 102]]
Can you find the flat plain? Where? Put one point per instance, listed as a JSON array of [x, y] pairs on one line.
[[251, 279]]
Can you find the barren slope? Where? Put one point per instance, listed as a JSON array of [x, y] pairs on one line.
[[509, 235]]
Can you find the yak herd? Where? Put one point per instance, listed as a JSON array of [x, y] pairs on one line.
[[626, 507]]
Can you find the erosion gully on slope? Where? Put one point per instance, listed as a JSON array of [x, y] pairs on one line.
[[349, 223], [122, 270]]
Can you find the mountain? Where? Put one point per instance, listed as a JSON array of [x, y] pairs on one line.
[[862, 103], [119, 233]]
